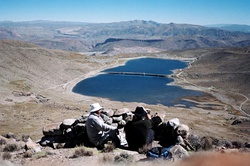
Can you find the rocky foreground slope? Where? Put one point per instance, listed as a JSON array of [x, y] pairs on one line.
[[36, 88]]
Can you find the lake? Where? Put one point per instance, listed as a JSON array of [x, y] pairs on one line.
[[136, 82]]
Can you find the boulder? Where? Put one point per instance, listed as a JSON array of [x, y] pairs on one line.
[[224, 143], [206, 143], [30, 145], [53, 129], [178, 152], [3, 140], [108, 112], [121, 111], [10, 136], [67, 123], [83, 118], [195, 141]]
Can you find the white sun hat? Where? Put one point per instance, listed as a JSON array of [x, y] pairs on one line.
[[95, 107], [174, 122]]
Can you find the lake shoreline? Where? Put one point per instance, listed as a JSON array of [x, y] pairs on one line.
[[143, 80]]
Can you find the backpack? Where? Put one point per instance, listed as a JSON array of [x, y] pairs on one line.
[[159, 152]]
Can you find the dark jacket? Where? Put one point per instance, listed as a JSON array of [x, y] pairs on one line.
[[168, 136], [137, 133]]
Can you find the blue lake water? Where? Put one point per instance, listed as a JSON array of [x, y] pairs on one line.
[[139, 88]]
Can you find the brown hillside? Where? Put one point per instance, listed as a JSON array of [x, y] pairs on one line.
[[224, 70], [36, 84], [26, 67]]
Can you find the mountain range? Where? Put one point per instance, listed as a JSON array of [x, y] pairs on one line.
[[106, 37], [232, 27]]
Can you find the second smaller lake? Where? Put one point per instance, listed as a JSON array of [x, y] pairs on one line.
[[139, 88]]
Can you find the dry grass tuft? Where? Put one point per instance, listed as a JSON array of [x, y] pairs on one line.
[[59, 146], [109, 147], [10, 148], [124, 158], [6, 156], [82, 152], [25, 138], [10, 135], [2, 142], [107, 159], [143, 150], [39, 155], [27, 154]]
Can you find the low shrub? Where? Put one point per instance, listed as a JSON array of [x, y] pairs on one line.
[[2, 142], [40, 155], [6, 156], [9, 135], [109, 147], [143, 149], [59, 146], [124, 158], [107, 159], [25, 138], [10, 148], [27, 154], [82, 152]]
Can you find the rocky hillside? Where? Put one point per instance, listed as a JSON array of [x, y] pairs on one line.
[[224, 70], [35, 91], [75, 36], [27, 67]]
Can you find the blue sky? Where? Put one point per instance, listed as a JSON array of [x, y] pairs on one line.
[[200, 12]]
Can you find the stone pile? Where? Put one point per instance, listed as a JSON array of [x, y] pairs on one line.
[[71, 132], [10, 143]]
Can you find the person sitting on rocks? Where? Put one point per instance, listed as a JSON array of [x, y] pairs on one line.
[[98, 132], [139, 131], [173, 133], [166, 131], [182, 132]]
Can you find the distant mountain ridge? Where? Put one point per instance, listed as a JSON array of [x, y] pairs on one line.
[[232, 27], [78, 36]]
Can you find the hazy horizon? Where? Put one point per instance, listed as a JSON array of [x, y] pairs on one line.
[[117, 22], [199, 12]]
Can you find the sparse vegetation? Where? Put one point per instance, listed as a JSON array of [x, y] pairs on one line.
[[2, 142], [144, 149], [6, 156], [9, 135], [20, 85], [25, 138], [10, 148], [27, 154], [40, 155], [59, 146], [124, 158], [33, 115], [106, 159], [109, 147], [80, 152]]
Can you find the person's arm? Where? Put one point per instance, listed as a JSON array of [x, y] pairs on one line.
[[148, 116], [100, 125]]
